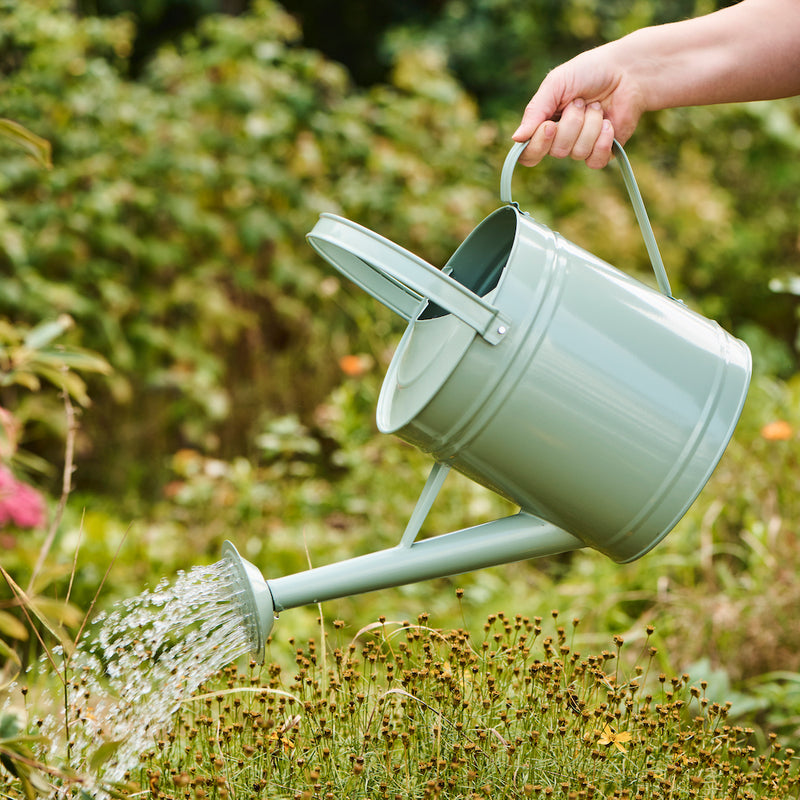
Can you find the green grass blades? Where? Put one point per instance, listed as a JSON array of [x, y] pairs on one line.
[[408, 711]]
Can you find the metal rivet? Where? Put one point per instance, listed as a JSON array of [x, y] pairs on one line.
[[502, 329]]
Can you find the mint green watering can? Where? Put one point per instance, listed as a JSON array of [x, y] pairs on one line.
[[596, 404]]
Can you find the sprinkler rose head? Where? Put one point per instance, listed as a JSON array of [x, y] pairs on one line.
[[255, 600]]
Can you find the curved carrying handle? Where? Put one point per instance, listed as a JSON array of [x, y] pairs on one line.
[[398, 278], [633, 192]]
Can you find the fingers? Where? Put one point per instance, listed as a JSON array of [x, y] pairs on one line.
[[578, 130], [539, 145], [581, 134], [601, 152], [542, 106]]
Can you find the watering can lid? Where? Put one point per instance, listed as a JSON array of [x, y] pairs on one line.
[[431, 348]]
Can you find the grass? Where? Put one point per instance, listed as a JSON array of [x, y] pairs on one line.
[[404, 710]]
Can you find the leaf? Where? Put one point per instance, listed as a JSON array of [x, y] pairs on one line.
[[70, 382], [57, 611], [11, 668], [75, 358], [104, 753], [48, 575], [17, 758], [21, 378], [12, 627], [26, 601], [37, 147], [46, 332], [9, 726]]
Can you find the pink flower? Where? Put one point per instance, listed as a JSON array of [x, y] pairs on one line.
[[19, 503]]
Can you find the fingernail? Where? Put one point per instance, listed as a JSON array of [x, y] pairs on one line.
[[579, 102], [606, 126], [596, 106], [549, 130]]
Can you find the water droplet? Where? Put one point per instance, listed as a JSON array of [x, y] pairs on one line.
[[190, 627]]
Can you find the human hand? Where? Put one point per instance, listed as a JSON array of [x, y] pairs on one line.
[[579, 109], [581, 133]]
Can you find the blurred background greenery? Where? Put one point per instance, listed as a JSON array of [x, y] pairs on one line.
[[195, 142]]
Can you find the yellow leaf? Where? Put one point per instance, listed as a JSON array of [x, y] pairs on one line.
[[11, 626], [38, 148], [58, 612]]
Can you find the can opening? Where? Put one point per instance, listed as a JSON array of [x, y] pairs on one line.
[[481, 258]]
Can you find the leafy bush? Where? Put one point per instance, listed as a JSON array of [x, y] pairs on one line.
[[32, 365], [720, 183], [172, 224]]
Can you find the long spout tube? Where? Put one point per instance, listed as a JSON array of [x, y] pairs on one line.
[[514, 538]]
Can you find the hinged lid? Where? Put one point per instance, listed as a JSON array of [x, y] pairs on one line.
[[398, 278]]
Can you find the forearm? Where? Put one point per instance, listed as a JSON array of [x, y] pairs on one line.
[[750, 51]]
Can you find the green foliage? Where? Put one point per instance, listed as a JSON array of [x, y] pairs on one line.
[[408, 711], [500, 49], [36, 147], [28, 357], [721, 184], [33, 363], [172, 225], [17, 757]]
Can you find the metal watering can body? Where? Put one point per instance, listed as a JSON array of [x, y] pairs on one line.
[[605, 409], [598, 405]]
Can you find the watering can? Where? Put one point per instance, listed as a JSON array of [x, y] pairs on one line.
[[598, 405]]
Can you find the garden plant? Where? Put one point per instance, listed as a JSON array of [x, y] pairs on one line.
[[178, 368], [406, 710]]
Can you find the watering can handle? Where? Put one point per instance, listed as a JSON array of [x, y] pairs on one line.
[[633, 192], [398, 278]]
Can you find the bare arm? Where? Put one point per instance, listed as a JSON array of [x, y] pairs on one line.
[[750, 51]]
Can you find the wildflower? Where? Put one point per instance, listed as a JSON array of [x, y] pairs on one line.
[[777, 431], [354, 366], [609, 736], [288, 744], [20, 504]]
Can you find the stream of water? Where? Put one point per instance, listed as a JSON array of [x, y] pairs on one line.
[[137, 665]]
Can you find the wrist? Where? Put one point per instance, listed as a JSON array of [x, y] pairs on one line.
[[643, 71]]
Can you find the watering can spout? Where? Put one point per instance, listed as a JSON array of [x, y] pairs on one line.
[[254, 598], [515, 538]]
